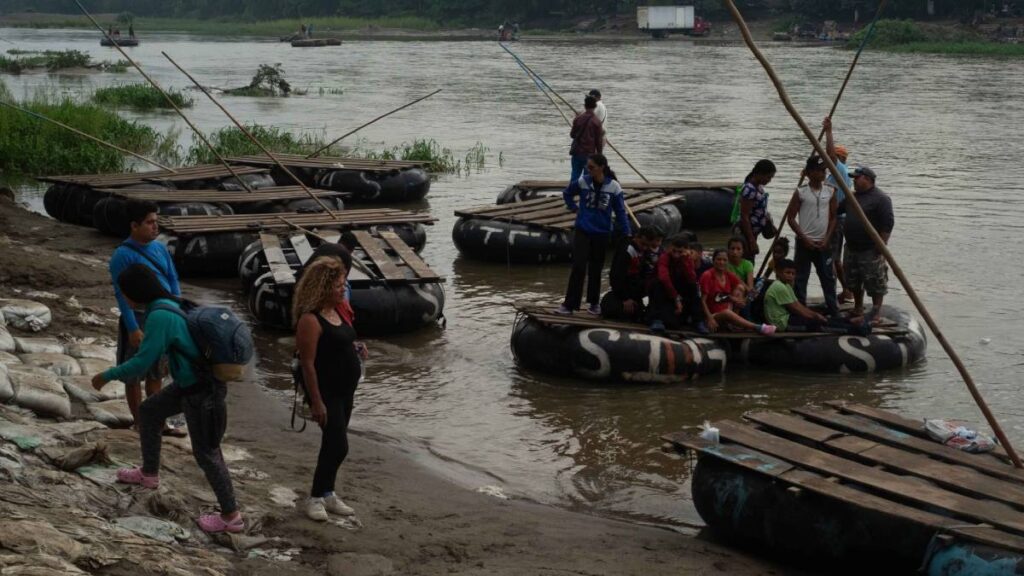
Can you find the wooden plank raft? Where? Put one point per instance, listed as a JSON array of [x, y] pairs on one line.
[[199, 172], [329, 163], [552, 213], [662, 185], [394, 261], [545, 315], [270, 193], [860, 461], [343, 219]]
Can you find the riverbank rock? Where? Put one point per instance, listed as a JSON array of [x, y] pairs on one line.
[[25, 314]]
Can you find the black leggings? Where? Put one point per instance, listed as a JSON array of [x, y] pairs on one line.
[[587, 260], [333, 442]]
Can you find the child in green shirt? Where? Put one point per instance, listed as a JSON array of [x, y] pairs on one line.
[[738, 265]]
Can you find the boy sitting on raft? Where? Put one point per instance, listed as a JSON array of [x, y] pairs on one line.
[[674, 296], [630, 276], [782, 309]]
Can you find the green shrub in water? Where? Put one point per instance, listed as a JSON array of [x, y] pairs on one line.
[[230, 141], [32, 146], [139, 96], [22, 60], [889, 33]]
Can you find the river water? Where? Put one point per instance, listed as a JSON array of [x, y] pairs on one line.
[[941, 132]]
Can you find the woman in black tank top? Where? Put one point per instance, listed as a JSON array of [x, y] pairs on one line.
[[331, 365]]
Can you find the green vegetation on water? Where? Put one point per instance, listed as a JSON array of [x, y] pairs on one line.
[[907, 36], [268, 81], [22, 60], [32, 146], [139, 96]]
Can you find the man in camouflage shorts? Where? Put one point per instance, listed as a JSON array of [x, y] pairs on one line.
[[865, 266]]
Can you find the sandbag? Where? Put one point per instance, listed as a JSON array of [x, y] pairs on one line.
[[80, 389], [38, 346], [92, 351], [7, 341], [8, 358], [6, 388], [59, 364], [111, 413], [25, 314], [39, 390], [90, 366]]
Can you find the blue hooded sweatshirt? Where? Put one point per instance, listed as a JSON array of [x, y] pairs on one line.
[[594, 212]]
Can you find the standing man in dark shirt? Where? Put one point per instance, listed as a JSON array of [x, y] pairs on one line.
[[587, 138], [866, 269]]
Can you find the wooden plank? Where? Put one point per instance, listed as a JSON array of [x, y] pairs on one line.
[[884, 435], [893, 420], [892, 485], [408, 256], [955, 478], [276, 260], [302, 248], [254, 222], [375, 251], [734, 453]]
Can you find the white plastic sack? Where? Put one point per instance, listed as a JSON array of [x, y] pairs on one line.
[[6, 341], [80, 389], [8, 358], [25, 314], [93, 351], [6, 389], [956, 434], [39, 390], [39, 345], [111, 413], [90, 366], [59, 364]]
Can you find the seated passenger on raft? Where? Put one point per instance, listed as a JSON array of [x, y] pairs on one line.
[[674, 297], [782, 308], [722, 292], [632, 271]]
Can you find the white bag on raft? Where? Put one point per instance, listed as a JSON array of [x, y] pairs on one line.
[[39, 390], [25, 314], [38, 345], [59, 364]]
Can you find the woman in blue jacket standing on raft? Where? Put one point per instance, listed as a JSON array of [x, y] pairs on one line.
[[599, 194]]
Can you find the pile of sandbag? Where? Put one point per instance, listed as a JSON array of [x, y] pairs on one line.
[[25, 314]]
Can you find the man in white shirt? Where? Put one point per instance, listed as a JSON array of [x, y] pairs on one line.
[[601, 112], [812, 216]]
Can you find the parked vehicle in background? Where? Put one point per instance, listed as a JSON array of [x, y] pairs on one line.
[[661, 21]]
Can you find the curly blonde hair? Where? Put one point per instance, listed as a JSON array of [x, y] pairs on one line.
[[314, 289]]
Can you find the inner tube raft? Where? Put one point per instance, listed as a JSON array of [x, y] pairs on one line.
[[111, 217], [840, 353], [701, 207], [610, 355], [406, 185], [516, 243]]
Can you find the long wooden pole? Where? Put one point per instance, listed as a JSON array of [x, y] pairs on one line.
[[167, 97], [88, 136], [252, 138], [854, 206], [533, 75], [831, 112], [351, 132], [571, 107]]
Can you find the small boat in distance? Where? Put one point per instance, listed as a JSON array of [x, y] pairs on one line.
[[123, 42]]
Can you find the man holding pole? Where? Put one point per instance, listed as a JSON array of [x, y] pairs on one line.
[[587, 138], [866, 269], [839, 155]]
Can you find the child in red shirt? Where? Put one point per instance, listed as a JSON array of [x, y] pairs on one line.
[[719, 288], [674, 298]]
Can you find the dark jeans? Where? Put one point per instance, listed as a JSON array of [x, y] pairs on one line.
[[207, 417], [822, 260], [579, 162], [333, 442], [587, 260], [663, 307], [612, 308]]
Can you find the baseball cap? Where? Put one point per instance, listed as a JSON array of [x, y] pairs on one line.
[[863, 170]]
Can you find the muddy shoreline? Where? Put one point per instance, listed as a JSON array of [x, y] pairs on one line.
[[412, 520]]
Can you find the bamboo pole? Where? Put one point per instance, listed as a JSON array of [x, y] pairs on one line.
[[253, 138], [351, 132], [88, 136], [831, 112], [355, 261], [571, 107], [854, 206], [533, 75], [166, 96]]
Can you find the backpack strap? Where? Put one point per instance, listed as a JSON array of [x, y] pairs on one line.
[[181, 313], [152, 260]]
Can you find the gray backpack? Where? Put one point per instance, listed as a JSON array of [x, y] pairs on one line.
[[224, 341]]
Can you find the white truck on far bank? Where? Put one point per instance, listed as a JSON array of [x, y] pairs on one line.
[[661, 21]]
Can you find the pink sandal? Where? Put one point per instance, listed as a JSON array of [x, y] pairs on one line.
[[213, 524], [135, 476]]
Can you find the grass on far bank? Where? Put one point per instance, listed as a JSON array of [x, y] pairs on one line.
[[32, 146], [140, 97], [17, 61], [907, 36], [229, 26]]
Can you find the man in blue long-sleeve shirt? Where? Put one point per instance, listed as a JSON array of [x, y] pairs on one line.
[[140, 247]]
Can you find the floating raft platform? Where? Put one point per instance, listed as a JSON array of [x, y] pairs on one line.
[[594, 348], [269, 194], [191, 173], [393, 290], [362, 218], [328, 162], [122, 42], [552, 214], [853, 486]]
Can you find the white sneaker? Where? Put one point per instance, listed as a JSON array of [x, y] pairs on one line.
[[315, 510], [334, 505]]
